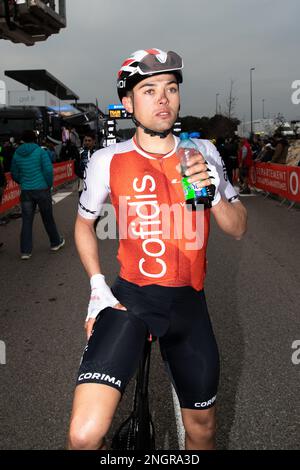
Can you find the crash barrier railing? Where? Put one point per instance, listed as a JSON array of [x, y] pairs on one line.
[[282, 180], [63, 173]]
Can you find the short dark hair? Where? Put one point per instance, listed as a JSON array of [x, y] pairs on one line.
[[90, 134], [28, 136]]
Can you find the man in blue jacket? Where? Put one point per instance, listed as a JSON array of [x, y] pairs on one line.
[[32, 169]]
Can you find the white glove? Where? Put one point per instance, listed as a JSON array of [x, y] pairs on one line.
[[215, 181], [101, 296]]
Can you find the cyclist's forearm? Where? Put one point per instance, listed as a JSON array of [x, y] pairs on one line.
[[87, 247], [231, 218]]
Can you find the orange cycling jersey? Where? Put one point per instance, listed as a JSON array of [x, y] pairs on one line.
[[160, 240]]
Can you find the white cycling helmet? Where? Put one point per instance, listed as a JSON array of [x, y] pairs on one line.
[[144, 63]]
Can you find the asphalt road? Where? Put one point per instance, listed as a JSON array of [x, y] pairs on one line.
[[252, 290]]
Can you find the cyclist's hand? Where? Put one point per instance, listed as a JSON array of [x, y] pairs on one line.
[[89, 327], [101, 296], [89, 324], [202, 174], [197, 169]]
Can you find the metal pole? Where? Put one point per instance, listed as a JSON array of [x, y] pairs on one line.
[[251, 113], [263, 109], [62, 9]]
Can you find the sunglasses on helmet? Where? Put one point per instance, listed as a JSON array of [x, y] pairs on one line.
[[152, 64]]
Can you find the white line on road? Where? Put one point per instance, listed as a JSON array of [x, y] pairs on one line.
[[178, 419], [60, 196]]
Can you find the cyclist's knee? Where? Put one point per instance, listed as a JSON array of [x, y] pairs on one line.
[[87, 436], [200, 425]]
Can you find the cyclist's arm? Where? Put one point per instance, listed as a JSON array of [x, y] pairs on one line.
[[95, 192], [231, 217], [229, 212], [96, 189], [87, 246]]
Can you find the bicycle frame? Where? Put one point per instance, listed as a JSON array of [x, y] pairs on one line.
[[137, 431]]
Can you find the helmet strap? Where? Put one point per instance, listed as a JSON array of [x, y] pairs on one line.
[[151, 132]]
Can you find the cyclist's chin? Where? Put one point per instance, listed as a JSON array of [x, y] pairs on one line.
[[163, 124]]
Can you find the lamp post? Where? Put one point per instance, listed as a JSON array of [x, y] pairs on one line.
[[251, 114], [263, 108], [217, 94]]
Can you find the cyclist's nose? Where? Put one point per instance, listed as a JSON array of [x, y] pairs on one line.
[[163, 97]]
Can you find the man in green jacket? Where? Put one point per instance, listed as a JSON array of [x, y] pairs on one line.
[[32, 169]]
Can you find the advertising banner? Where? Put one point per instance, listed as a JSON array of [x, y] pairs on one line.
[[63, 172], [278, 179]]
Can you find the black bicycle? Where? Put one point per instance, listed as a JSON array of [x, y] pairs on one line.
[[137, 431]]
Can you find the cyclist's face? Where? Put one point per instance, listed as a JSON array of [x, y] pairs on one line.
[[155, 101]]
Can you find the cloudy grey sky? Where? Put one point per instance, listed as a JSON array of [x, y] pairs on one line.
[[219, 40]]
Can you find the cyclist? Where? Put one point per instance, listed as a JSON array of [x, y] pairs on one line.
[[160, 286]]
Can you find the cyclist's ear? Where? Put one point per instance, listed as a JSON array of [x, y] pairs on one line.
[[127, 102]]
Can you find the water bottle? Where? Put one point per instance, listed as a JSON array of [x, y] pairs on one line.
[[194, 197]]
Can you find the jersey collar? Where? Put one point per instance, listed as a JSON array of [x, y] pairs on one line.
[[154, 156]]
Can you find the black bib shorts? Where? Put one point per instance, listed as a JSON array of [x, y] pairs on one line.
[[178, 316]]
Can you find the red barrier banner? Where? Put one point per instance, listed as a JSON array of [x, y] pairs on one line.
[[63, 172], [278, 179], [11, 194]]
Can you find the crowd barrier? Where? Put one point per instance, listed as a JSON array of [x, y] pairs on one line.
[[277, 179], [63, 172], [282, 180]]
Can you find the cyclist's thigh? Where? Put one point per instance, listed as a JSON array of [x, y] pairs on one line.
[[113, 350], [190, 353], [94, 406], [109, 361]]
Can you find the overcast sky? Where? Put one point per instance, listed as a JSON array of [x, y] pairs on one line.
[[219, 40]]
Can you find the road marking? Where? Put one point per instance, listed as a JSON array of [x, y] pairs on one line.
[[178, 419], [60, 196], [166, 441]]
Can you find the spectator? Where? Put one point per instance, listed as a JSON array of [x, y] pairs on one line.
[[256, 146], [1, 158], [231, 150], [2, 188], [266, 152], [68, 151], [281, 150], [65, 134], [32, 168], [222, 147], [88, 148], [48, 147], [245, 161], [8, 150], [74, 138]]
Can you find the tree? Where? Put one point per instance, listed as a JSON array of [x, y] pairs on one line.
[[231, 101], [210, 128]]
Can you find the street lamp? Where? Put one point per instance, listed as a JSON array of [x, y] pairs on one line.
[[217, 94], [263, 108], [251, 117]]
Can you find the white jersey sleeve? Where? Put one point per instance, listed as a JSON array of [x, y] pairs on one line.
[[213, 158], [96, 185]]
